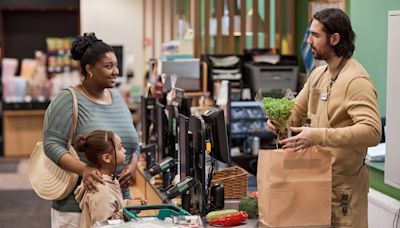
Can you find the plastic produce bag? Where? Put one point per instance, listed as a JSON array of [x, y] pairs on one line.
[[174, 96], [171, 94]]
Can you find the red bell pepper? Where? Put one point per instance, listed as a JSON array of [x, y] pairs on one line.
[[230, 220], [254, 194]]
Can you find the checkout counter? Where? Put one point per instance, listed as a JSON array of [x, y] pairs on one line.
[[147, 190], [203, 134], [144, 188]]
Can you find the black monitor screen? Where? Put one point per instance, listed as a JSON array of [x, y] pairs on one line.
[[183, 140], [172, 114], [215, 122], [185, 106], [198, 130], [147, 117], [162, 129]]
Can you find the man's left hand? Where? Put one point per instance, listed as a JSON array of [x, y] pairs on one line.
[[300, 141]]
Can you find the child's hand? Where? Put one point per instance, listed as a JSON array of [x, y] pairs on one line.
[[137, 202]]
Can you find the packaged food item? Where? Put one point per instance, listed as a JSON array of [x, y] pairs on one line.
[[187, 220]]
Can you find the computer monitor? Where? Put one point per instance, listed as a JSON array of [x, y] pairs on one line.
[[172, 114], [216, 132], [147, 118], [184, 148], [185, 106], [197, 128], [162, 129], [187, 72]]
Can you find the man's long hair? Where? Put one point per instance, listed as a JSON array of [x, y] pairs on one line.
[[336, 21]]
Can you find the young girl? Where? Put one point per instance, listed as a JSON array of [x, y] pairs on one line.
[[104, 150]]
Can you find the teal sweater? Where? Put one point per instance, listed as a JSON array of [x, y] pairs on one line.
[[115, 117]]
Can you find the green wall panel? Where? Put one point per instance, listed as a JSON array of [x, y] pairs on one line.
[[369, 19]]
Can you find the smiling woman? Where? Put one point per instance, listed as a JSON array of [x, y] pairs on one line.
[[99, 108], [99, 66]]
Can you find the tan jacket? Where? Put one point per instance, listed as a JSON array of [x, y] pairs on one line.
[[346, 123], [100, 206]]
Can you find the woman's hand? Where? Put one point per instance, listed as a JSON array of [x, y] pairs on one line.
[[90, 177], [127, 175], [299, 142]]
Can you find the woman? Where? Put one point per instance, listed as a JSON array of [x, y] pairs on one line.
[[99, 108]]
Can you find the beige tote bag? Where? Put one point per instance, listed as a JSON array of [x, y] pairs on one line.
[[48, 180]]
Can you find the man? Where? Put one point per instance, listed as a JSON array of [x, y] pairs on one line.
[[341, 102]]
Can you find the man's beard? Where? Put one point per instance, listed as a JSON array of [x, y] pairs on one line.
[[320, 55]]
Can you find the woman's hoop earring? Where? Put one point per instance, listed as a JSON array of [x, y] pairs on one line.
[[90, 75]]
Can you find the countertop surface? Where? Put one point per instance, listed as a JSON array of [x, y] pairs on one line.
[[249, 223]]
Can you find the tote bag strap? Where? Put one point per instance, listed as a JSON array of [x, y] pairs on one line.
[[74, 122]]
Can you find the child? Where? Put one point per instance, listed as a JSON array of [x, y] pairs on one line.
[[104, 150]]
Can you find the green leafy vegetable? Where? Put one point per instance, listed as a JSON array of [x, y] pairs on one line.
[[249, 205], [278, 111]]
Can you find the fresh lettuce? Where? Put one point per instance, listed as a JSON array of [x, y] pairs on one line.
[[278, 111]]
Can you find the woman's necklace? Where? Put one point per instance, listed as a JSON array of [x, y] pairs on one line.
[[103, 101]]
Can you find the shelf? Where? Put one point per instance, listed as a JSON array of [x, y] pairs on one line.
[[194, 94], [245, 104], [246, 119], [237, 80], [261, 135], [58, 52], [26, 125], [34, 105], [23, 113]]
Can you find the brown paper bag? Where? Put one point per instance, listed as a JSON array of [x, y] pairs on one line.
[[294, 188]]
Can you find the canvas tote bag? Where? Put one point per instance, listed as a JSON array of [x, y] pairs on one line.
[[294, 188], [48, 180]]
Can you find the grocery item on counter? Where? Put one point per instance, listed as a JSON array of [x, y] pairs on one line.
[[216, 214], [230, 220], [250, 205]]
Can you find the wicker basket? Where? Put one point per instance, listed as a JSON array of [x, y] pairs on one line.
[[234, 180]]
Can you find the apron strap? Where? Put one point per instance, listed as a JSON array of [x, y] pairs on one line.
[[335, 75]]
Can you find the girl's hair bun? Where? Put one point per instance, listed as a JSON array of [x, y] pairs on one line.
[[80, 143]]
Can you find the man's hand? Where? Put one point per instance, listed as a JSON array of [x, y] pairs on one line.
[[271, 126], [299, 142]]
